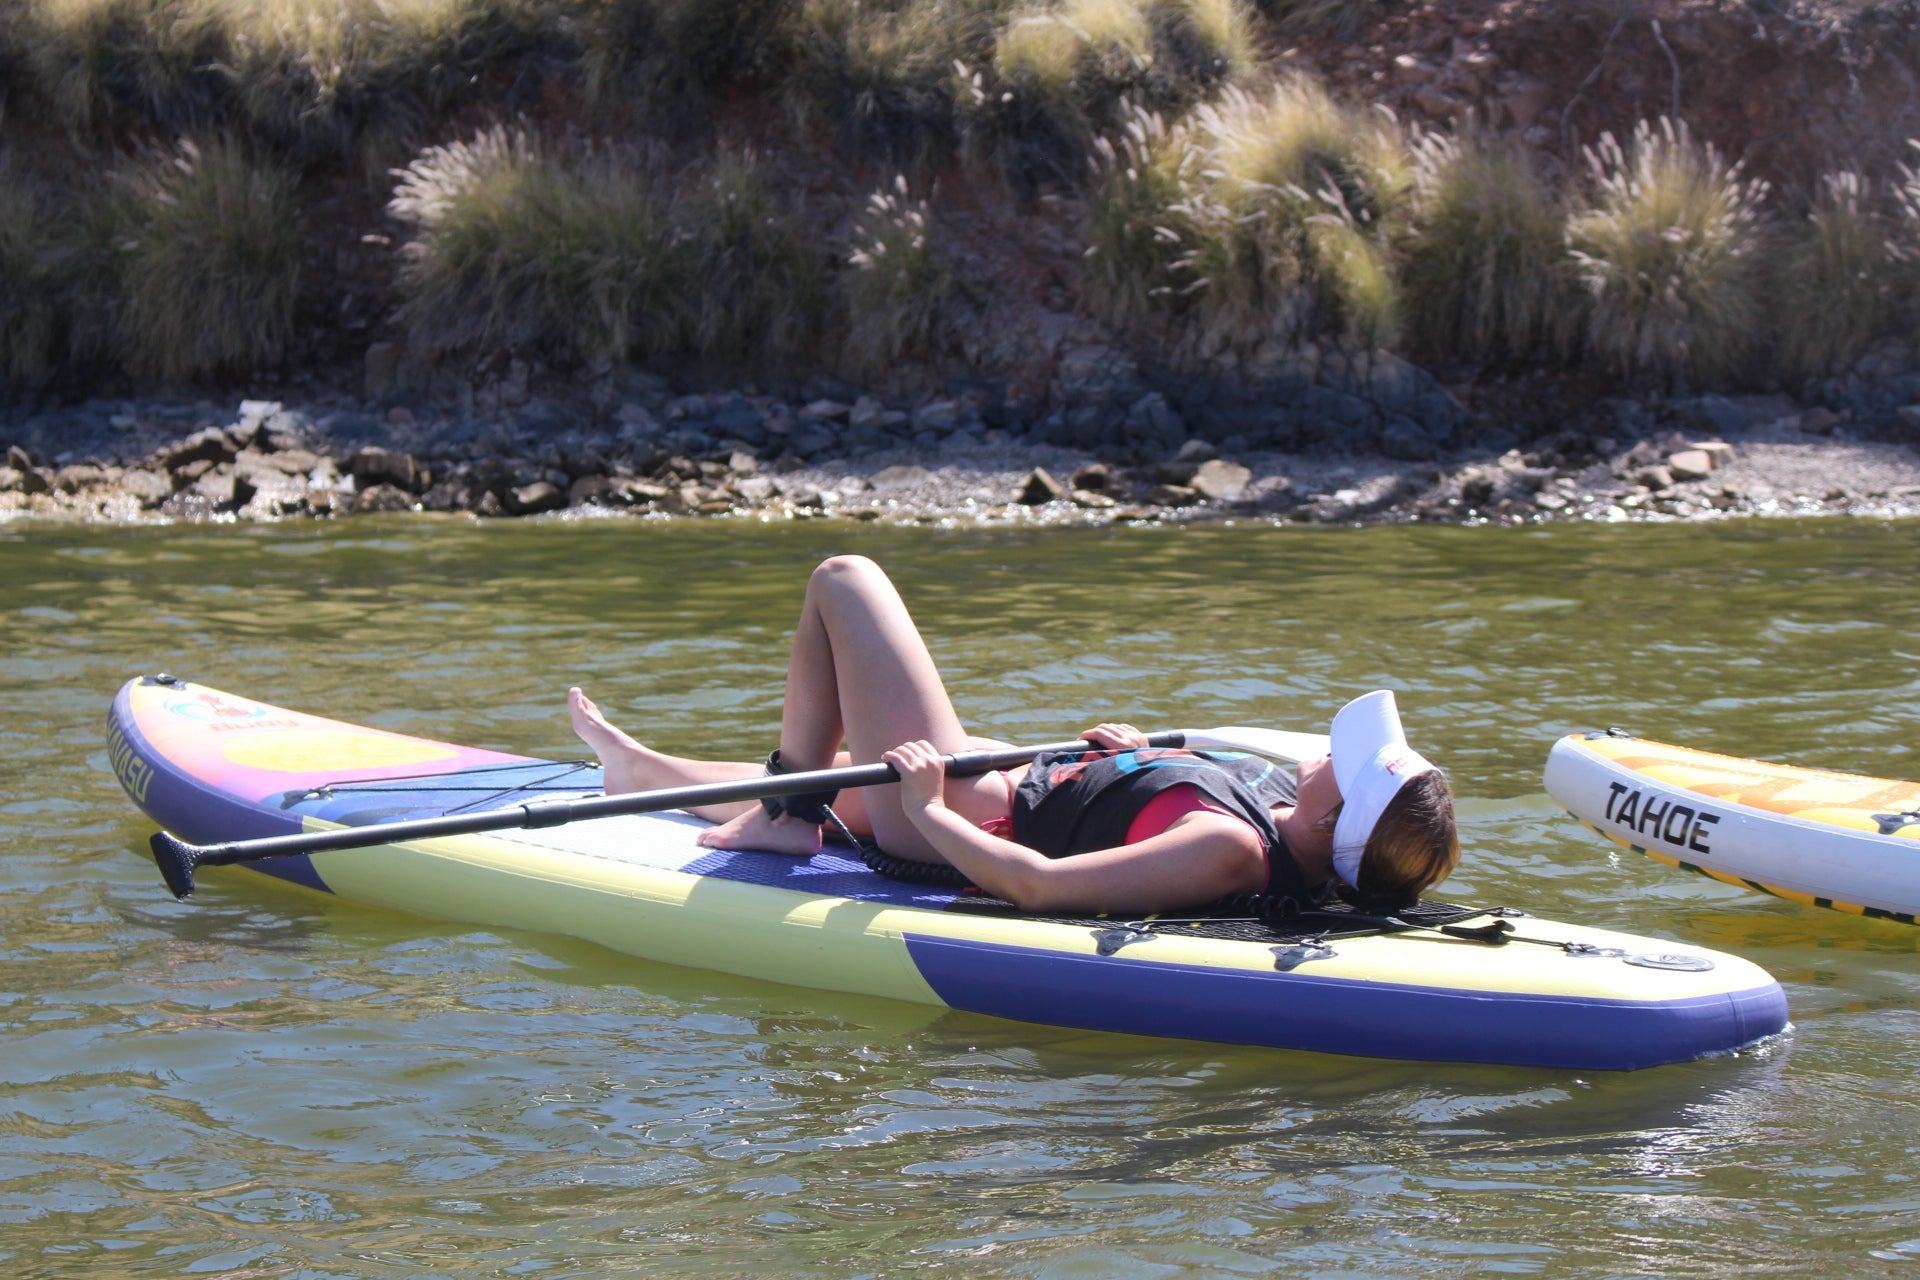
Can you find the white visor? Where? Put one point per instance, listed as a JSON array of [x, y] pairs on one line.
[[1371, 762]]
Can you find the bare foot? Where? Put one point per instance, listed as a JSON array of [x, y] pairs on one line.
[[626, 762], [755, 830]]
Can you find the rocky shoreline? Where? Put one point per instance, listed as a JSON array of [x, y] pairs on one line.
[[654, 453]]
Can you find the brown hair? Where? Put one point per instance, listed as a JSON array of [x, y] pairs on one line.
[[1414, 846]]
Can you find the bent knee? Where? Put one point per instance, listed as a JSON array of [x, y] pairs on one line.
[[848, 575], [844, 566]]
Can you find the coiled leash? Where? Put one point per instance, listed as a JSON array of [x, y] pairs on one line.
[[816, 809]]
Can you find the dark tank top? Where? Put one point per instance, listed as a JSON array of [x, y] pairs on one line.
[[1076, 802]]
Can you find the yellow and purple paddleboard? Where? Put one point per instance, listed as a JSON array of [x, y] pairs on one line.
[[1825, 839], [1497, 987]]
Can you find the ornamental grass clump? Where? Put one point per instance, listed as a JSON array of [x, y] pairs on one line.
[[1199, 44], [1065, 71], [754, 276], [1668, 256], [1292, 229], [881, 78], [1486, 274], [1135, 227], [516, 249], [32, 257], [667, 62], [1837, 278], [209, 259], [315, 79], [898, 285]]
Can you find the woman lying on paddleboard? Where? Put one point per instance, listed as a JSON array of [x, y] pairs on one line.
[[1129, 829]]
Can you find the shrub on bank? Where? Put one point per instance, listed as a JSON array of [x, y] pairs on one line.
[[1668, 253], [210, 259], [1487, 272]]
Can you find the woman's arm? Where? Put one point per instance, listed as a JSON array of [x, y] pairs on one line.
[[1204, 857]]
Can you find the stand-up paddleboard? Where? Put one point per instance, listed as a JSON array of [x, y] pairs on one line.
[[1435, 983], [1825, 839]]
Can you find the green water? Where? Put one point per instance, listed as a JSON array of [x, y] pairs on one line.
[[267, 1083]]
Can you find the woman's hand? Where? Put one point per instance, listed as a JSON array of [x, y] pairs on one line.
[[1116, 737], [923, 774]]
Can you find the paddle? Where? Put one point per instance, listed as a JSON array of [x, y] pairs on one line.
[[178, 859]]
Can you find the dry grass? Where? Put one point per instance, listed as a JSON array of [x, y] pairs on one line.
[[1487, 273], [755, 277], [584, 255], [32, 257], [898, 284], [1668, 254], [1262, 216], [881, 77], [666, 62], [210, 260], [517, 250], [1135, 227], [1835, 280], [1294, 227], [312, 79]]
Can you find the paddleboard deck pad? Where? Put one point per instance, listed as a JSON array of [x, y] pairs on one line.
[[1825, 839], [1498, 988]]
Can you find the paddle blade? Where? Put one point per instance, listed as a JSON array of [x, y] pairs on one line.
[[1281, 744], [176, 858]]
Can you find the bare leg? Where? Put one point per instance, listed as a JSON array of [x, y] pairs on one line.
[[633, 766], [860, 673]]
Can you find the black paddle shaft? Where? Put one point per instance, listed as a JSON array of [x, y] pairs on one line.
[[178, 859]]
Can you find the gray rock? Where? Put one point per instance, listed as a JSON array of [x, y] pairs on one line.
[[1172, 495], [1153, 422], [1393, 382], [383, 497], [1690, 464], [373, 465], [1217, 480], [901, 477], [78, 477], [1094, 477], [210, 444], [1405, 440], [532, 499], [810, 439], [941, 415], [1038, 488], [826, 410], [742, 421], [380, 369]]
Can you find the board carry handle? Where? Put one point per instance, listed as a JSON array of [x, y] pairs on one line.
[[178, 860]]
